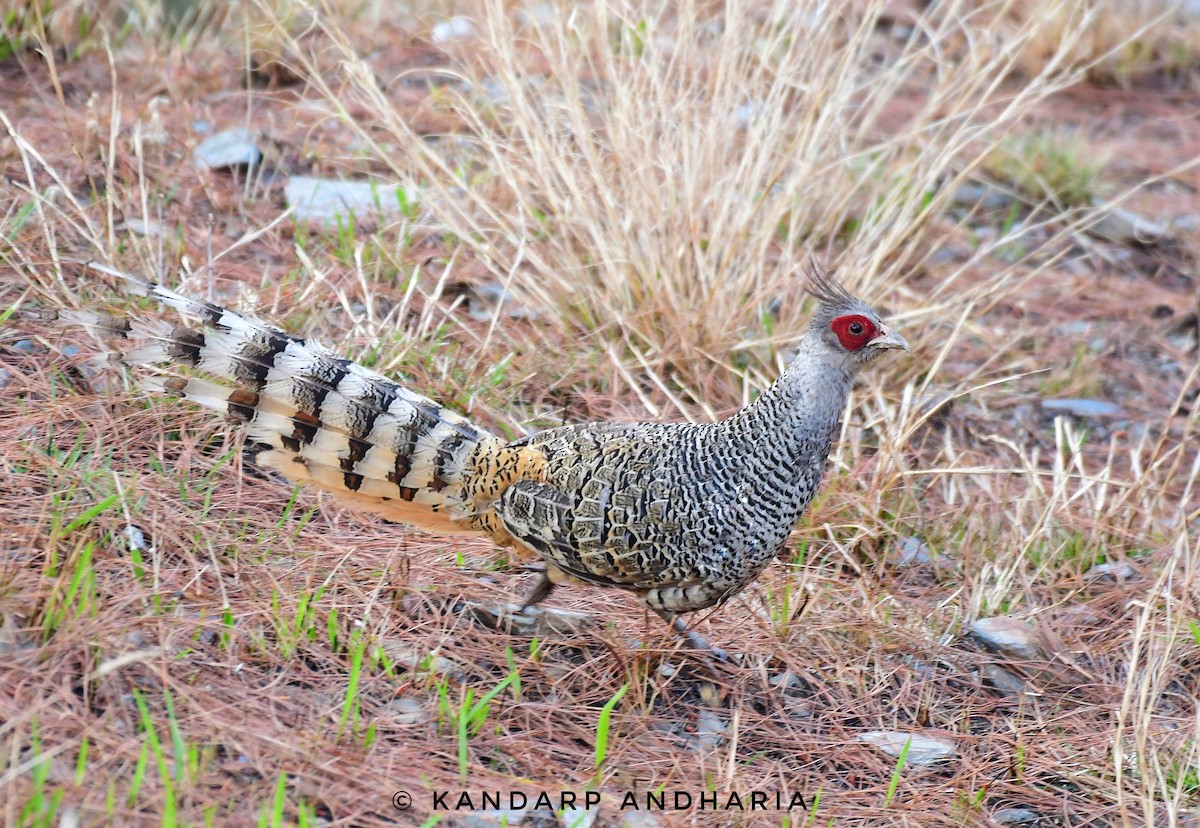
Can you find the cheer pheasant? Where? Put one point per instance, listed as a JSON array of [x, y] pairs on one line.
[[684, 515]]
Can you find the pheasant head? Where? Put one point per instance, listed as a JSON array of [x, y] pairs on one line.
[[844, 330]]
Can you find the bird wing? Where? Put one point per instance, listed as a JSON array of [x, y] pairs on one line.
[[546, 520]]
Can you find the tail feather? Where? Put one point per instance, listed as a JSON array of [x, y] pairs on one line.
[[319, 418]]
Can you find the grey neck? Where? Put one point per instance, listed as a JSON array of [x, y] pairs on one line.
[[800, 411]]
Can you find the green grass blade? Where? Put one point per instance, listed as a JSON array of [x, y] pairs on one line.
[[603, 723], [901, 761], [94, 510]]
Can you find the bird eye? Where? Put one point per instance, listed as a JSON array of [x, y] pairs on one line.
[[856, 328]]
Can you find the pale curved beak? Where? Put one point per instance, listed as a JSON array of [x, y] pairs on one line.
[[889, 340]]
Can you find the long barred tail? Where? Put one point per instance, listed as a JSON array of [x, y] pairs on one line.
[[319, 418]]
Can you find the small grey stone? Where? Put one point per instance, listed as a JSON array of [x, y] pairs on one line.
[[411, 657], [5, 378], [670, 728], [135, 539], [923, 750], [493, 819], [785, 680], [1004, 682], [1184, 341], [539, 14], [321, 199], [68, 818], [486, 298], [974, 194], [710, 730], [912, 551], [1010, 637], [231, 148], [142, 228], [25, 346], [667, 670], [1015, 816], [747, 112], [946, 254], [71, 350], [639, 819], [576, 816], [451, 29], [925, 670], [1188, 222], [407, 710], [1118, 571], [1083, 408], [495, 92], [1116, 224]]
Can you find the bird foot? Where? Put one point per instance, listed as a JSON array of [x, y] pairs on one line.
[[695, 640], [543, 622]]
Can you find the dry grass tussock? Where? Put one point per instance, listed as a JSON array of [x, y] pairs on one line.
[[1124, 38], [185, 640]]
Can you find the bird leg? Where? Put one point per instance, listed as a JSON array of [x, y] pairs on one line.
[[546, 584], [692, 638], [526, 619], [540, 592]]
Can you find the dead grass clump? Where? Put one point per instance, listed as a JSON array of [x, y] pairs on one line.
[[1124, 39], [1063, 168], [659, 178]]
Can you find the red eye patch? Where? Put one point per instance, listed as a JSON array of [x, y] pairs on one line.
[[853, 331]]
